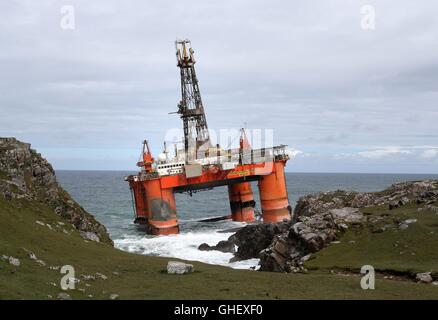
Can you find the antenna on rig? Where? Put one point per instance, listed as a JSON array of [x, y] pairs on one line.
[[190, 107]]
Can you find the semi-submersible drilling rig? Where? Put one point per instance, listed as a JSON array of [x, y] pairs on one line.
[[200, 165]]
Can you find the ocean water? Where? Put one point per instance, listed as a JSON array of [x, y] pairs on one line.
[[106, 195]]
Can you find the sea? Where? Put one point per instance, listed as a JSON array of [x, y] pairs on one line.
[[106, 195]]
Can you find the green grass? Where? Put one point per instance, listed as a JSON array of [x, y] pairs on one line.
[[408, 251], [142, 277], [3, 175]]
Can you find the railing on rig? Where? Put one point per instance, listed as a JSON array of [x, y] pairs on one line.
[[246, 156], [236, 156]]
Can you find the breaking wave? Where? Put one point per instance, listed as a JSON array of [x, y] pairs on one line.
[[185, 246]]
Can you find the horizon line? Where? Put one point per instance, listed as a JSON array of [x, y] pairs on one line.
[[304, 172]]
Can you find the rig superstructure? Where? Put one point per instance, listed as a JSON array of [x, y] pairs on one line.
[[200, 165]]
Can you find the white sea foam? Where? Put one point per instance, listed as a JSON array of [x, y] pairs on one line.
[[184, 246]]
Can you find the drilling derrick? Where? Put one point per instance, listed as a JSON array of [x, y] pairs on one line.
[[190, 108]]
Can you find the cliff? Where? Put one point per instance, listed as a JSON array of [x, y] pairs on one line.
[[25, 175]]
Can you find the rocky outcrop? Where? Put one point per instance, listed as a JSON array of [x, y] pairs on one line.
[[252, 239], [320, 219], [288, 251], [318, 203], [222, 246], [26, 175], [397, 195]]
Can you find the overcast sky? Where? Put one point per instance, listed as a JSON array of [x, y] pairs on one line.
[[345, 98]]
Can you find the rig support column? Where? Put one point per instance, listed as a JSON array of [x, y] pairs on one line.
[[273, 195], [241, 201], [162, 209], [139, 202]]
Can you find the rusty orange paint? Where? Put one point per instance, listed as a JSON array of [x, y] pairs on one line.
[[140, 199], [157, 205], [241, 202], [155, 200], [211, 176], [162, 208], [273, 195]]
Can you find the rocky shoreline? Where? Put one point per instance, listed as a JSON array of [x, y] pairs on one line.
[[321, 219], [25, 175]]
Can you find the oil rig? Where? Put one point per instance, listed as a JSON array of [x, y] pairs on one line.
[[201, 166]]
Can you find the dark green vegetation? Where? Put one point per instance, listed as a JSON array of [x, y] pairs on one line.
[[384, 245], [139, 277]]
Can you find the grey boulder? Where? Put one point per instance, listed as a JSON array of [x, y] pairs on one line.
[[424, 277], [176, 267]]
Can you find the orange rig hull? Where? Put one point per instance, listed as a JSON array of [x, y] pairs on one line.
[[154, 199]]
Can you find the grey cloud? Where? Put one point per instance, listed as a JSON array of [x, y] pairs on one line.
[[304, 68]]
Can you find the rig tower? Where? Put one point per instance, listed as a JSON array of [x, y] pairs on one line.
[[190, 108]]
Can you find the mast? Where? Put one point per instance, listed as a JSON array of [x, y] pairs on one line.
[[190, 107]]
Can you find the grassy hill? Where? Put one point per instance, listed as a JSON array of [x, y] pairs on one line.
[[132, 276], [385, 245]]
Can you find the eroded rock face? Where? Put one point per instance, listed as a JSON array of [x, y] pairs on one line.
[[364, 199], [90, 236], [316, 203], [346, 216], [25, 174], [400, 194], [309, 234], [252, 239], [396, 196], [222, 246]]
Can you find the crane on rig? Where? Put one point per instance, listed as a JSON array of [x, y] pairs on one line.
[[200, 165]]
